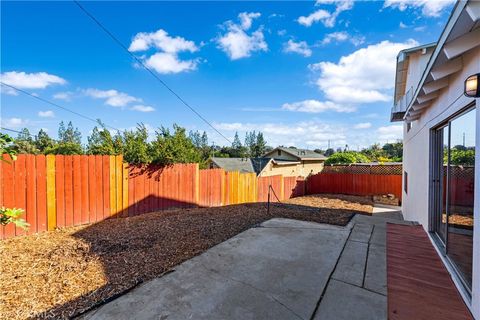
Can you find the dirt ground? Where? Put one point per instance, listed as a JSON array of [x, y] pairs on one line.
[[62, 273]]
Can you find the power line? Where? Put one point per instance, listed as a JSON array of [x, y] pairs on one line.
[[56, 105], [16, 131], [148, 69]]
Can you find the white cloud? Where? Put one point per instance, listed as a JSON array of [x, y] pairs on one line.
[[246, 19], [402, 25], [390, 133], [327, 18], [430, 8], [319, 15], [301, 48], [237, 43], [165, 63], [420, 29], [282, 32], [315, 106], [22, 80], [112, 97], [46, 114], [66, 96], [363, 125], [363, 76], [166, 59], [341, 36], [14, 123], [306, 133], [142, 108]]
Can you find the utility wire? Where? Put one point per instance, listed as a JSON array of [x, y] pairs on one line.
[[16, 131], [56, 105], [139, 61]]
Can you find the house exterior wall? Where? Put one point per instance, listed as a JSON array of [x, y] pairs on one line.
[[416, 152], [416, 159], [298, 170], [416, 64]]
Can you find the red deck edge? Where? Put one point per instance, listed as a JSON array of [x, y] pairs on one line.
[[418, 284]]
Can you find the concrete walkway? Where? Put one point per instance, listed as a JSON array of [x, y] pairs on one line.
[[283, 269]]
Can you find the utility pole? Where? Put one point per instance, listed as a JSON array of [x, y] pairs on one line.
[[328, 143], [464, 139]]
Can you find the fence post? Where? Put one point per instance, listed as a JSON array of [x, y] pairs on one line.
[[196, 185], [268, 200], [51, 205]]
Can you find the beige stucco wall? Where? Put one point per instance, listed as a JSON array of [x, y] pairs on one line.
[[299, 170]]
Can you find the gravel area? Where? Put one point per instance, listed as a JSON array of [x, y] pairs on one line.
[[62, 273]]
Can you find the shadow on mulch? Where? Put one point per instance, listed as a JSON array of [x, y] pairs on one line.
[[129, 251]]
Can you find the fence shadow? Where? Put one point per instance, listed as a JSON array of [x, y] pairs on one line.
[[138, 248]]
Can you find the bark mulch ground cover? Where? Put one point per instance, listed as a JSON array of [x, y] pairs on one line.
[[62, 273]]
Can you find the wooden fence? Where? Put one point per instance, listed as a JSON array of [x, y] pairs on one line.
[[354, 184], [62, 191]]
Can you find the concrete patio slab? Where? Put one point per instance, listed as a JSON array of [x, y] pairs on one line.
[[351, 265], [376, 271], [263, 273], [361, 232], [343, 301]]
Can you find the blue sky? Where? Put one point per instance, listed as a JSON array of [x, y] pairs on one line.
[[303, 73]]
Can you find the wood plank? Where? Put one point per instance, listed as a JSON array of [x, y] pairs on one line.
[[418, 284], [20, 188], [99, 188], [113, 186], [106, 186], [31, 193], [51, 205], [41, 168], [1, 195], [119, 185], [60, 189], [92, 189], [77, 190], [84, 180], [8, 192], [68, 190], [125, 190]]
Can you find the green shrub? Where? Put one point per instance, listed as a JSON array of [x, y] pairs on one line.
[[8, 215], [347, 157]]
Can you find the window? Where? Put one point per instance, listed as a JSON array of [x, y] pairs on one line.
[[453, 194], [279, 153], [405, 181]]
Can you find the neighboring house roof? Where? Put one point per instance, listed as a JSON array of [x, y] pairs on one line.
[[300, 154], [243, 165]]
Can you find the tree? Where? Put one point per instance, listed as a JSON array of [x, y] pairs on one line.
[[7, 146], [394, 151], [101, 142], [170, 148], [260, 146], [329, 152], [250, 140], [347, 157], [136, 149], [69, 141], [237, 150], [25, 143], [43, 141]]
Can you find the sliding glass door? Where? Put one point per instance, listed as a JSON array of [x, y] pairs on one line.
[[453, 177]]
